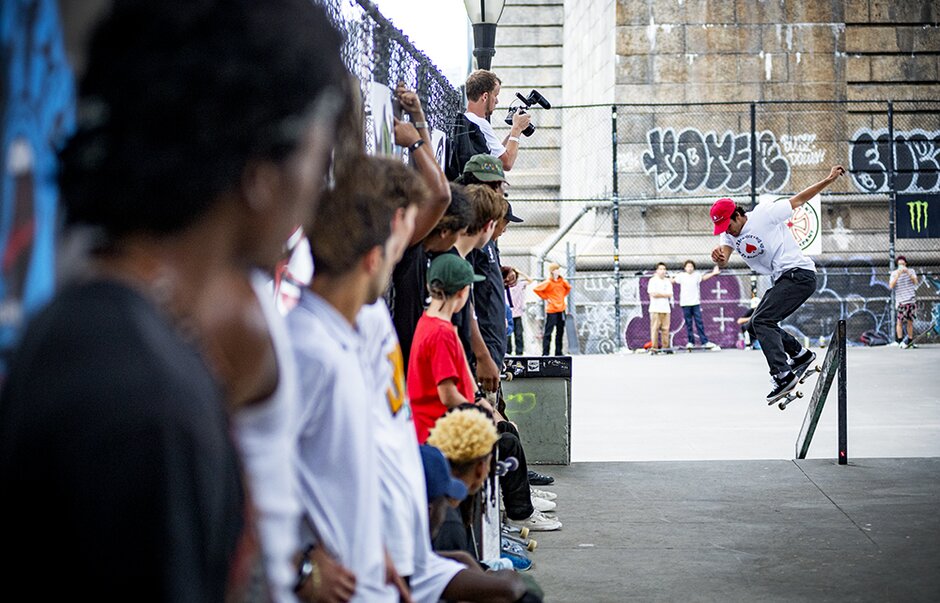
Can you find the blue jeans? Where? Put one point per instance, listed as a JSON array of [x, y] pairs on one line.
[[691, 313]]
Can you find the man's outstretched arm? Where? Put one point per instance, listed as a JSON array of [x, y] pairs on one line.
[[805, 195]]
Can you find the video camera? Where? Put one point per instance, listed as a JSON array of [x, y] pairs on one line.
[[534, 98]]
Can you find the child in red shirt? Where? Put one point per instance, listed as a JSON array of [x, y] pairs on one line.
[[438, 374]]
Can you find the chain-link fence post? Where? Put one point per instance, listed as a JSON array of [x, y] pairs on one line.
[[892, 196], [753, 155], [615, 218]]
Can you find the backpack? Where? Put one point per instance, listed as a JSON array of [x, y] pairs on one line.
[[873, 338], [467, 141]]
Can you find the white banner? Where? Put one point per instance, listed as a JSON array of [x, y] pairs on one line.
[[805, 224], [438, 144], [380, 133]]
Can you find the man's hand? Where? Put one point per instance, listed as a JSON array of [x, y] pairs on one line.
[[405, 133], [487, 373], [409, 101], [718, 256], [392, 577], [336, 584], [835, 172], [520, 121]]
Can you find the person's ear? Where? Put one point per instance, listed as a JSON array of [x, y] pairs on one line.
[[374, 259]]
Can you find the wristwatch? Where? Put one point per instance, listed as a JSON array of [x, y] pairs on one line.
[[307, 569], [414, 147]]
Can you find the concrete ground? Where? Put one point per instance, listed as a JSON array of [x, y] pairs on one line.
[[700, 499]]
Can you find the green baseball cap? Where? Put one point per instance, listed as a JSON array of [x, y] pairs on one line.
[[453, 272], [486, 168]]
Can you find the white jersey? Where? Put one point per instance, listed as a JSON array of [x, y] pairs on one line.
[[689, 294], [401, 472], [495, 144], [267, 439], [765, 242], [337, 463]]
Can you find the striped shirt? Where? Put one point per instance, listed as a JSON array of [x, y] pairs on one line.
[[904, 288]]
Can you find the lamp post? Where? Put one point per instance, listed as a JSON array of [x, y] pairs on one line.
[[484, 15]]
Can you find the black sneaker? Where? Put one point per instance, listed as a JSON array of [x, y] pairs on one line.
[[782, 385], [537, 479], [801, 362]]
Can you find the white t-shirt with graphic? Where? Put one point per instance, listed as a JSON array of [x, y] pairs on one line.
[[663, 287], [905, 291], [401, 472], [492, 141], [689, 294], [765, 242]]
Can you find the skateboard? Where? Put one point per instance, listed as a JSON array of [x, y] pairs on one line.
[[516, 553], [518, 532], [793, 393], [530, 544]]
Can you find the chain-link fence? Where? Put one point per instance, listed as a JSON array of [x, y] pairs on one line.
[[376, 51], [672, 161]]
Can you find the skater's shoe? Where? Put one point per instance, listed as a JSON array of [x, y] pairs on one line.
[[542, 504], [537, 479], [712, 346], [689, 345], [911, 346], [782, 385], [537, 522], [802, 361], [543, 494]]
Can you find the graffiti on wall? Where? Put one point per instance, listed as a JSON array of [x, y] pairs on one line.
[[860, 295], [37, 112], [801, 149], [692, 160], [917, 160]]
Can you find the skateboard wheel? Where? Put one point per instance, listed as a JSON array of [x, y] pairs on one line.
[[524, 532], [782, 406], [533, 544], [799, 394]]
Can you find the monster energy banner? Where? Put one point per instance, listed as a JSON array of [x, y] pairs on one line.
[[918, 216]]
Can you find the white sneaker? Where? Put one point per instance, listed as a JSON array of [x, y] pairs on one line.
[[689, 346], [537, 522], [712, 346], [542, 504], [542, 493]]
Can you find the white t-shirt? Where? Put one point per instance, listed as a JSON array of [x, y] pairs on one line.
[[495, 144], [689, 294], [662, 286], [337, 463], [905, 291], [267, 439], [401, 472], [766, 243]]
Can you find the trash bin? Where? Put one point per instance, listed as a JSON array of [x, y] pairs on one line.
[[537, 391]]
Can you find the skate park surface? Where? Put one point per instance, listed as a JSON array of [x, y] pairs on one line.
[[684, 487]]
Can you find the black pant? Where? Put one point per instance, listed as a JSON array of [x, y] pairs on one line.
[[517, 497], [789, 292], [556, 321], [516, 349]]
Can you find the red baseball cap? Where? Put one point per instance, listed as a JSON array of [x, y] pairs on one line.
[[721, 214]]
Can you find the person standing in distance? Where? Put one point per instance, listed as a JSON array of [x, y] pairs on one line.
[[904, 282]]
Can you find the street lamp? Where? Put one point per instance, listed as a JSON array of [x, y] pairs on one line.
[[484, 14]]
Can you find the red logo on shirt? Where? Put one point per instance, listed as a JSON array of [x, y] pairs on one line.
[[750, 248]]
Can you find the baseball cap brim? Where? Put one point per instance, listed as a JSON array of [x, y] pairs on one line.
[[511, 217], [722, 225], [487, 176], [456, 489]]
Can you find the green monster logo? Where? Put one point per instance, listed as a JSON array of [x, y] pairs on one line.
[[918, 211]]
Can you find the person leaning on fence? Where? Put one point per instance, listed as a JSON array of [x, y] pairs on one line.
[[690, 300], [904, 282], [765, 243]]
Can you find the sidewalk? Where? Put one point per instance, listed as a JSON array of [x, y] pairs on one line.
[[772, 530]]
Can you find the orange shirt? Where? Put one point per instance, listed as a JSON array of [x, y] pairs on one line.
[[554, 292]]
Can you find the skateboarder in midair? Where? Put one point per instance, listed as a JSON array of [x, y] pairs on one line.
[[762, 238]]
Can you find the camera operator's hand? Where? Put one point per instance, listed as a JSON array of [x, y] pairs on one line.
[[409, 102], [520, 121], [405, 133]]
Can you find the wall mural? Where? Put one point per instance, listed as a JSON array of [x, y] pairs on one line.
[[917, 156], [37, 101], [692, 160]]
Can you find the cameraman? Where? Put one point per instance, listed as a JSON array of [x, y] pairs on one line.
[[482, 98]]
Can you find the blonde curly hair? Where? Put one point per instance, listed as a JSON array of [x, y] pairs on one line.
[[464, 435]]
